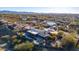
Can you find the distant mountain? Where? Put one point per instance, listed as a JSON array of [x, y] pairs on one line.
[[14, 12]]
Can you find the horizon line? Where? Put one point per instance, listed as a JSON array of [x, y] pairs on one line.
[[38, 12]]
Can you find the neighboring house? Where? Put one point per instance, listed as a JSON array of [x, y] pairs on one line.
[[4, 30], [12, 26], [49, 24], [24, 18], [76, 27]]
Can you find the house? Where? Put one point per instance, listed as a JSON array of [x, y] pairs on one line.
[[36, 35], [1, 23], [12, 26], [24, 18], [50, 23], [30, 34]]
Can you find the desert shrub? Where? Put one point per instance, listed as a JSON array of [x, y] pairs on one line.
[[68, 41], [24, 46], [53, 35]]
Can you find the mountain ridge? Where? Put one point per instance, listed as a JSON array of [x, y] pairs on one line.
[[21, 12]]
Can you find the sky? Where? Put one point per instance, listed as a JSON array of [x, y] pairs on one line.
[[43, 9]]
